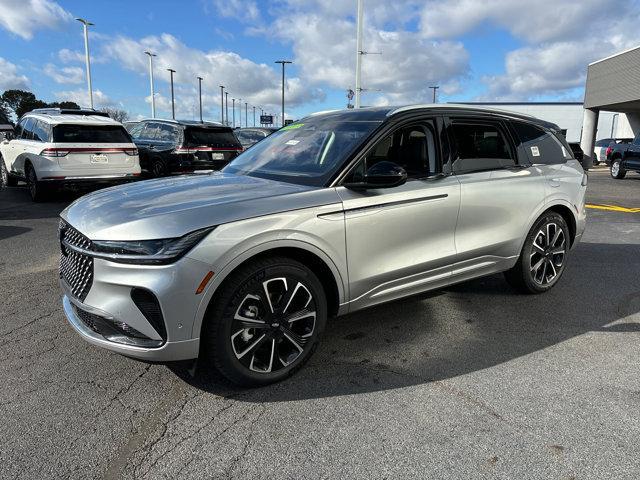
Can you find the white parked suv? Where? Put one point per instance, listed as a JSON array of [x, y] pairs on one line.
[[54, 146]]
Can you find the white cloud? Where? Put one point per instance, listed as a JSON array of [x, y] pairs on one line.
[[10, 78], [257, 83], [244, 10], [322, 35], [70, 56], [72, 75], [81, 97], [24, 17]]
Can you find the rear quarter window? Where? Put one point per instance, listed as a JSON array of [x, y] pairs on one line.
[[68, 133], [541, 146], [210, 136]]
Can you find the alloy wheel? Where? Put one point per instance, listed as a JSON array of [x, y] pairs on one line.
[[547, 253], [31, 182], [5, 175], [615, 168], [272, 326]]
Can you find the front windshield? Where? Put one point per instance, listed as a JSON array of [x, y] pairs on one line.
[[306, 153]]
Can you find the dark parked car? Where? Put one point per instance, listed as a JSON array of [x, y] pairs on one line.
[[169, 146], [129, 125], [578, 154], [251, 136], [622, 157]]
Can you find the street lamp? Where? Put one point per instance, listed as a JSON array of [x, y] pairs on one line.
[[200, 96], [85, 25], [246, 116], [153, 95], [222, 104], [283, 62], [173, 103], [434, 88], [240, 112], [233, 110], [254, 115], [226, 107]]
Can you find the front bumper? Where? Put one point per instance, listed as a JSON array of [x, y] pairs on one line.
[[170, 351], [110, 298]]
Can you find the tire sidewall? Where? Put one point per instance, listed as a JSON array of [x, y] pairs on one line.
[[528, 248], [4, 175], [220, 323], [621, 171]]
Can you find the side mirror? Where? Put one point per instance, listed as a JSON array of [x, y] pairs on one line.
[[381, 175]]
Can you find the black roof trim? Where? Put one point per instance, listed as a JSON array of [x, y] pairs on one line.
[[517, 103], [68, 111]]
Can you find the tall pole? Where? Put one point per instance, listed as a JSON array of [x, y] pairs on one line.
[[240, 112], [226, 108], [283, 62], [246, 116], [173, 102], [233, 110], [200, 96], [153, 95], [254, 115], [434, 88], [85, 25], [359, 52], [222, 104]]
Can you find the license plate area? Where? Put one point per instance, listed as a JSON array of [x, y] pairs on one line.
[[99, 158], [217, 156]]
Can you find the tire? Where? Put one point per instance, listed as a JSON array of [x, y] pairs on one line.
[[37, 190], [543, 257], [6, 180], [265, 347], [158, 168], [616, 169]]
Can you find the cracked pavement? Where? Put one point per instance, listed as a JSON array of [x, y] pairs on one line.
[[473, 381]]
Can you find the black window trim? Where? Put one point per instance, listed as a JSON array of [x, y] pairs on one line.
[[499, 123]]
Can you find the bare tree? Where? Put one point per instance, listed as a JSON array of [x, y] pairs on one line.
[[116, 114]]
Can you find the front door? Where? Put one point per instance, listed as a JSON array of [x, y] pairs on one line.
[[400, 240]]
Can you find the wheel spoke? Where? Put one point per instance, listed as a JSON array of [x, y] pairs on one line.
[[251, 347], [558, 251], [289, 298], [553, 268], [302, 314], [294, 338], [268, 369], [265, 286], [556, 237], [536, 267]]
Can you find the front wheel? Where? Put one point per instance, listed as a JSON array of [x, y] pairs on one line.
[[37, 190], [543, 257], [265, 322], [616, 169]]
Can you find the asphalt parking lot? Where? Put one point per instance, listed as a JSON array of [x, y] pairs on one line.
[[474, 381]]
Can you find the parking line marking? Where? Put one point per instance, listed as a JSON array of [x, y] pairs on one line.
[[613, 208]]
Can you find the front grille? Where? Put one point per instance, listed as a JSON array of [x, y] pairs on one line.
[[76, 269]]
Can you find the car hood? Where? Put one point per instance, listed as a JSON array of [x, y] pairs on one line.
[[172, 207]]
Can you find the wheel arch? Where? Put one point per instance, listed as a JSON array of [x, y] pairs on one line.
[[569, 217], [318, 262]]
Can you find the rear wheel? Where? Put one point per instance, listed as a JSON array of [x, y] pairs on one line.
[[543, 257], [158, 168], [6, 180], [37, 190], [616, 169], [265, 323]]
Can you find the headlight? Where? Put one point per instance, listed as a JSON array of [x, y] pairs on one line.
[[163, 251]]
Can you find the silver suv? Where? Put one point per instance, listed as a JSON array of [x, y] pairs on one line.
[[337, 212]]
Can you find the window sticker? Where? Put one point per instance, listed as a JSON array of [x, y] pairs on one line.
[[535, 151], [293, 126], [292, 142]]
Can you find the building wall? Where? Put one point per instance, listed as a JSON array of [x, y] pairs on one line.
[[568, 116]]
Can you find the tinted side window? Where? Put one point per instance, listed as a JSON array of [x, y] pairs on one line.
[[19, 128], [136, 130], [150, 131], [480, 146], [541, 146], [27, 129], [414, 148], [40, 131], [167, 133]]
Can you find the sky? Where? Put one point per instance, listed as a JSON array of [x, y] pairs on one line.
[[474, 50]]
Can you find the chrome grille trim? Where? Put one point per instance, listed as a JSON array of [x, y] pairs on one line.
[[76, 269]]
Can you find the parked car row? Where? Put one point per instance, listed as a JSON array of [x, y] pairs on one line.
[[52, 147]]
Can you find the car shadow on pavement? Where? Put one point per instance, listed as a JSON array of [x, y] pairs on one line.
[[461, 329], [16, 204], [8, 231]]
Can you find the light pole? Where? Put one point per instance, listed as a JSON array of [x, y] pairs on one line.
[[254, 115], [283, 62], [153, 95], [226, 108], [85, 25], [359, 52], [434, 88], [233, 110], [200, 96], [240, 112], [222, 104], [173, 103], [246, 116]]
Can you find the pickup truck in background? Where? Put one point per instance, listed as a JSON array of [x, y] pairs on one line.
[[624, 157]]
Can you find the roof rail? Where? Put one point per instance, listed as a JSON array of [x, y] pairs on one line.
[[68, 111]]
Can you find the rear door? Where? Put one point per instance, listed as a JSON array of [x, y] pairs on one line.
[[15, 146], [500, 190], [93, 148], [633, 155]]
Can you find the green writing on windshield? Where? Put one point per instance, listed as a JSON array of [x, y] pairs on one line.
[[293, 126]]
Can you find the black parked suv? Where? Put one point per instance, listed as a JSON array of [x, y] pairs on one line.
[[170, 147], [251, 135]]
